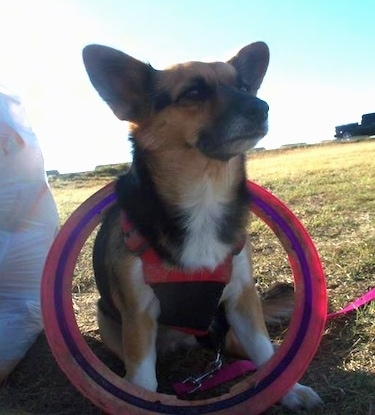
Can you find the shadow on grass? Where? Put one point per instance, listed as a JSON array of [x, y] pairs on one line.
[[38, 386], [344, 391]]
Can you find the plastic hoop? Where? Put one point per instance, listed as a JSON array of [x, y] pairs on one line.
[[251, 396]]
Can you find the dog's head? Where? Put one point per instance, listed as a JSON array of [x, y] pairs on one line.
[[210, 107]]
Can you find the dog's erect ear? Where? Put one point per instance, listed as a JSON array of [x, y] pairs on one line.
[[122, 81], [252, 62]]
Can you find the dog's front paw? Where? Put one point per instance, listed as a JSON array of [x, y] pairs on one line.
[[147, 382], [301, 397]]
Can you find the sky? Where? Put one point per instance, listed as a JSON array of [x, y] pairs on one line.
[[321, 73]]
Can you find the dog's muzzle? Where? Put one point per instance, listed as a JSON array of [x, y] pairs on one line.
[[256, 109], [238, 129]]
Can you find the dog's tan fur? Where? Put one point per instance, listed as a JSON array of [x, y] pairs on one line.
[[174, 123]]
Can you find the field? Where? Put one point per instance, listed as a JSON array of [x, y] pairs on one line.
[[331, 188]]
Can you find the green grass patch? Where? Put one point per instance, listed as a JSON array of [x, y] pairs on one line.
[[331, 188]]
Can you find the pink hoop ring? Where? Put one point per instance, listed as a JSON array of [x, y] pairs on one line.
[[251, 396]]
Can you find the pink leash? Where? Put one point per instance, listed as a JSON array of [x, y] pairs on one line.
[[365, 299], [219, 374]]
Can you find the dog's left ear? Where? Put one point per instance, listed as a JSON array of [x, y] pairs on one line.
[[124, 82], [251, 63]]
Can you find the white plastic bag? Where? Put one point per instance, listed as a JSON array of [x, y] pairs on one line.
[[28, 224]]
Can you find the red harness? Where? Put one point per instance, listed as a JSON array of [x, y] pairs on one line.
[[192, 307], [155, 271]]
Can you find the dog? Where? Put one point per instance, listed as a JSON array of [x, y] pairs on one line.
[[173, 254]]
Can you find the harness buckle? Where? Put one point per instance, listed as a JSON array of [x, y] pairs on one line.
[[134, 242], [213, 367]]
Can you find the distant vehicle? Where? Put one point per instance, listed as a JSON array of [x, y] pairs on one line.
[[347, 131]]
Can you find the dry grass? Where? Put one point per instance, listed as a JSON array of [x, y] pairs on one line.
[[331, 188]]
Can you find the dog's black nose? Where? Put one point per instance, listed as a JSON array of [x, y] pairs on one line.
[[251, 107], [257, 109]]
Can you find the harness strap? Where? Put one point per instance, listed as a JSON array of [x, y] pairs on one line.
[[154, 269], [133, 240], [188, 299], [190, 307]]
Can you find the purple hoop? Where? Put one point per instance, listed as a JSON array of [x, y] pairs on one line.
[[113, 394]]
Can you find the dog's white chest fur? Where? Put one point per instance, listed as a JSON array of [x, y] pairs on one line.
[[204, 212]]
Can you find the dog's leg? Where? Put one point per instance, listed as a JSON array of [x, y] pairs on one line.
[[245, 316], [139, 308], [110, 333], [139, 346], [244, 312]]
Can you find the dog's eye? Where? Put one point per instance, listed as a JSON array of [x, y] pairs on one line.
[[192, 93], [195, 93], [244, 88]]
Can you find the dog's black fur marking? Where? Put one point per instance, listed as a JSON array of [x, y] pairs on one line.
[[161, 101], [100, 254], [153, 218], [236, 215], [176, 299]]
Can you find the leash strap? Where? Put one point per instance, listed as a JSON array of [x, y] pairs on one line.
[[222, 375], [361, 301], [241, 367]]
